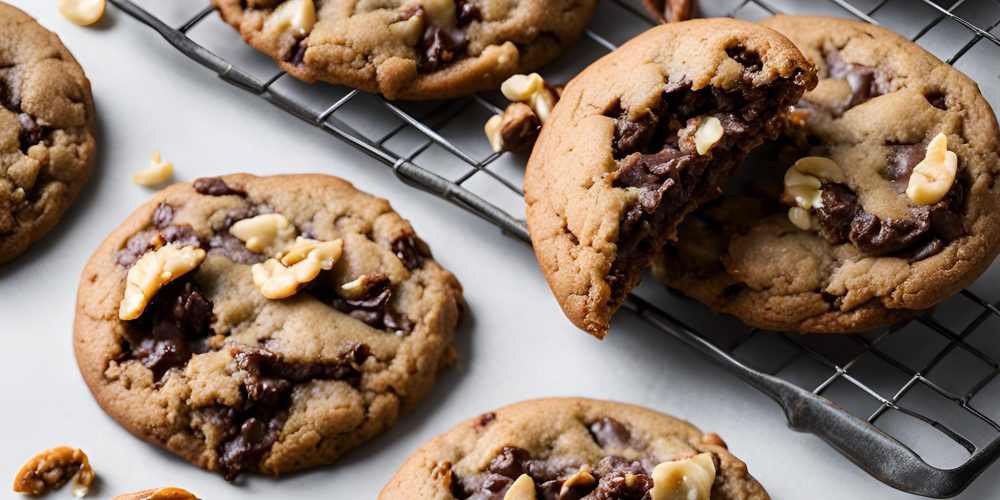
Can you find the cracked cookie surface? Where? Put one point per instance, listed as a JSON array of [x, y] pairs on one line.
[[616, 445], [235, 382], [640, 138], [875, 255], [47, 145], [410, 49]]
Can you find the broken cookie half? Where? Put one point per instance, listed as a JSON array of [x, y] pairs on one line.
[[641, 138]]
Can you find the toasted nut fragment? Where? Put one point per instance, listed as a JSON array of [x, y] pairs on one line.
[[670, 11], [151, 272], [820, 167], [439, 12], [283, 277], [493, 134], [806, 197], [409, 30], [542, 102], [522, 489], [51, 469], [688, 479], [801, 218], [158, 172], [520, 88], [298, 16], [708, 134], [582, 479], [261, 231], [168, 493], [359, 287], [933, 176], [795, 178], [82, 12]]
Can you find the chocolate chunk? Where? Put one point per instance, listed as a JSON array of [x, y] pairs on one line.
[[214, 186], [840, 205], [520, 127], [549, 490], [747, 58], [410, 250], [920, 252], [163, 216], [486, 419], [866, 82], [610, 432], [438, 46], [467, 12], [233, 249], [509, 462], [262, 364], [241, 453], [30, 133], [899, 166], [298, 52], [878, 236], [173, 328]]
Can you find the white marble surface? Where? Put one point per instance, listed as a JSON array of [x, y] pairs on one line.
[[514, 344]]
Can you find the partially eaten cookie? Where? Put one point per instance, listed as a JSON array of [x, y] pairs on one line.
[[641, 138]]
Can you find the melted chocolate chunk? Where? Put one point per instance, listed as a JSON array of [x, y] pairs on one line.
[[842, 219], [410, 250], [657, 156], [298, 52], [610, 432], [253, 429], [180, 235], [234, 249], [899, 166], [372, 308], [30, 133], [866, 82], [615, 478], [486, 419], [163, 216], [441, 45], [174, 327], [214, 186]]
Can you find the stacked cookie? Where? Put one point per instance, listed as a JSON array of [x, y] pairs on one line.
[[877, 200]]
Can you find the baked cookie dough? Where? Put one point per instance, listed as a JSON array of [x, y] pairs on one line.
[[574, 448], [184, 338], [883, 200], [47, 143], [638, 140], [409, 49]]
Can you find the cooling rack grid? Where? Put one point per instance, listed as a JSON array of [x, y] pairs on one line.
[[915, 405]]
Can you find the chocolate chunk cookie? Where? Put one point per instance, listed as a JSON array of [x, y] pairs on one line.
[[574, 448], [46, 131], [409, 49], [883, 199], [638, 140], [263, 324]]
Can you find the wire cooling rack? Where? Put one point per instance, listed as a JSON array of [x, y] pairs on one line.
[[915, 405]]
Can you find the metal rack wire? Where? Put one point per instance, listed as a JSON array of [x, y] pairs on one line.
[[893, 401]]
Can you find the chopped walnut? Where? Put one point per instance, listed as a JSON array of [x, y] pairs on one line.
[[158, 172], [52, 468], [284, 276], [933, 176], [803, 189], [522, 489], [514, 130], [151, 272], [168, 493], [82, 12], [690, 479], [263, 231]]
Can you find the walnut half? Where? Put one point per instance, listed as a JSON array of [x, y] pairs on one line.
[[52, 468]]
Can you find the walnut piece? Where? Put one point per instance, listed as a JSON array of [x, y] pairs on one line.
[[297, 16], [264, 230], [514, 130], [522, 489], [533, 91], [158, 172], [803, 183], [168, 493], [409, 30], [151, 272], [583, 479], [439, 12], [708, 134], [933, 176], [688, 479], [359, 287], [82, 12], [285, 275], [52, 468]]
